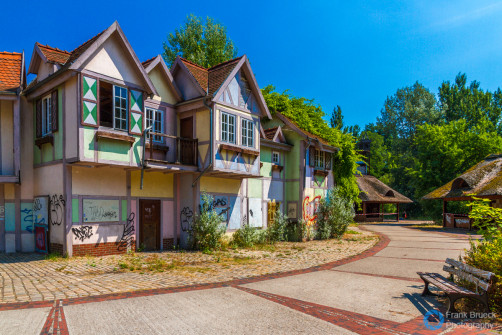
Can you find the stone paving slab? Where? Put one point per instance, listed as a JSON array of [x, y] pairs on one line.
[[23, 321], [384, 298], [415, 253], [446, 244], [216, 311]]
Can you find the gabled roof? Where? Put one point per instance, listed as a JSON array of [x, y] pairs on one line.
[[75, 59], [158, 61], [483, 179], [210, 81], [274, 134], [373, 190], [295, 127], [12, 76]]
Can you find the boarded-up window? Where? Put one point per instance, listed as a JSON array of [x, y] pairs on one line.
[[105, 104]]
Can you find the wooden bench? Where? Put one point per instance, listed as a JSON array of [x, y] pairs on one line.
[[482, 280]]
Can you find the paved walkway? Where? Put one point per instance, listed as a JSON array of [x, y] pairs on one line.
[[376, 292]]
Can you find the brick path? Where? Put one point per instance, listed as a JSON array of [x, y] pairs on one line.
[[29, 277]]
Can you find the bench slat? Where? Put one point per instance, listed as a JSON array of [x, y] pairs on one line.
[[467, 276], [444, 284], [470, 269]]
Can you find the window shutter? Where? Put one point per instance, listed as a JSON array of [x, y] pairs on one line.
[[311, 156], [54, 111], [136, 112], [38, 118]]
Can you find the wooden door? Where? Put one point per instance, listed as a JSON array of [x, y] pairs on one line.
[[186, 148], [149, 224]]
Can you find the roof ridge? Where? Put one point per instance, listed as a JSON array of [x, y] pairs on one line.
[[9, 53], [149, 60], [224, 63], [52, 48], [195, 64]]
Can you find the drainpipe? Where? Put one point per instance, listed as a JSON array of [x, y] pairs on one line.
[[210, 141], [143, 165]]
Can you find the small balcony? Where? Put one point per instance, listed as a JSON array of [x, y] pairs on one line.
[[170, 150]]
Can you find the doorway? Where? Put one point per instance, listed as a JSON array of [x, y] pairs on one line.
[[149, 224], [186, 146]]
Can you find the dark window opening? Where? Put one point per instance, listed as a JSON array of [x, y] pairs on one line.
[[105, 104]]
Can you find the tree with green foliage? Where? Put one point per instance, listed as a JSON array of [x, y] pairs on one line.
[[310, 117], [336, 120], [459, 101], [443, 152], [380, 157], [204, 42]]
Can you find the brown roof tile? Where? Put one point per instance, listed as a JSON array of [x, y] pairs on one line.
[[270, 133], [211, 79], [10, 70], [54, 55], [148, 61]]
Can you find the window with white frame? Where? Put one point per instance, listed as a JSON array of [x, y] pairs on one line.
[[319, 159], [276, 157], [46, 115], [247, 133], [227, 128], [120, 108], [155, 119]]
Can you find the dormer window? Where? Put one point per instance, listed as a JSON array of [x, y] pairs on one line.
[[46, 115]]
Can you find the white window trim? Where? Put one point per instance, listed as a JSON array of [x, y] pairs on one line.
[[46, 115], [319, 158], [245, 138], [228, 128], [155, 111], [126, 109]]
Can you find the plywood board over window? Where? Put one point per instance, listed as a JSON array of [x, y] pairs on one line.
[[100, 210]]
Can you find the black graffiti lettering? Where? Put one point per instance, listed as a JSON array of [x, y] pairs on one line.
[[186, 217], [37, 205], [57, 204], [127, 237], [83, 232], [221, 202], [251, 213]]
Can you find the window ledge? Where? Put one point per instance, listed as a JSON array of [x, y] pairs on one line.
[[321, 172], [49, 138], [115, 135], [239, 149]]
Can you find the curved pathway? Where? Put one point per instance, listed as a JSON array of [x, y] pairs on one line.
[[377, 292]]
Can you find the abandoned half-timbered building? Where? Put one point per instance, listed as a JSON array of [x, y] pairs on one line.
[[297, 169]]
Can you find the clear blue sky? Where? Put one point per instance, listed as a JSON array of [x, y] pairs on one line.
[[350, 53]]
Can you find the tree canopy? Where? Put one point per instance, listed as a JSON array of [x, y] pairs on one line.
[[204, 42]]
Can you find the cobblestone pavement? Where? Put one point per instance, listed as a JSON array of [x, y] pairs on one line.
[[30, 277]]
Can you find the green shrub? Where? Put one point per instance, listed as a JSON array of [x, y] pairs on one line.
[[334, 214], [487, 255], [207, 229], [246, 237], [276, 231]]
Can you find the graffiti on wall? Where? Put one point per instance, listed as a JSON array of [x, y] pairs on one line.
[[40, 210], [57, 204], [310, 209], [82, 232], [292, 210], [186, 217], [127, 238], [27, 218], [100, 210], [2, 212]]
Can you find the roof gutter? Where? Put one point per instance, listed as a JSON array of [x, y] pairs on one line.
[[210, 165]]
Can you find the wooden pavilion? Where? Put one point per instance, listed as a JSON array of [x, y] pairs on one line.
[[483, 180]]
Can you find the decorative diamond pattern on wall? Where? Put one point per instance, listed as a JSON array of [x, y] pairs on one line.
[[136, 101], [90, 113], [90, 88], [136, 123]]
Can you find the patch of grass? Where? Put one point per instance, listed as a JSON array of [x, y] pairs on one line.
[[53, 257], [352, 232], [61, 268]]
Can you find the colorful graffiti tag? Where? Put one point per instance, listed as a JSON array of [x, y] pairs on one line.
[[310, 209]]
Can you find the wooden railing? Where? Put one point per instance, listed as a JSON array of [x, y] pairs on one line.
[[186, 149]]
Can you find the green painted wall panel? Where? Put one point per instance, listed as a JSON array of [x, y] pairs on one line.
[[292, 191], [89, 139], [266, 160], [10, 217], [114, 150], [124, 210], [255, 188], [74, 211]]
